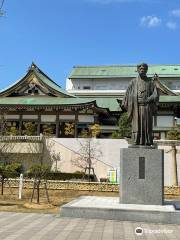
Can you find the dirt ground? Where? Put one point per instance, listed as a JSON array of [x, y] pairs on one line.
[[10, 202]]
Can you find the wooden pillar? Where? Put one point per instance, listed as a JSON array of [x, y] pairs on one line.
[[38, 125], [57, 125], [76, 124], [20, 124], [174, 166]]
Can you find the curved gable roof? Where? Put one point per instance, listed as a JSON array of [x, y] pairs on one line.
[[43, 79]]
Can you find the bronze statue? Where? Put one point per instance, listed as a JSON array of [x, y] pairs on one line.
[[140, 102]]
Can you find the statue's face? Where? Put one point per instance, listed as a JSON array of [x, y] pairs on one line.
[[142, 71]]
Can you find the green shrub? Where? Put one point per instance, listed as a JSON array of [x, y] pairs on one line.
[[38, 171], [174, 134], [63, 176], [14, 169]]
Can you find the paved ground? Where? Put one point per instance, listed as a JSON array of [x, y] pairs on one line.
[[51, 227]]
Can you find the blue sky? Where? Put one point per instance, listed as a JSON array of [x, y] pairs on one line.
[[58, 34]]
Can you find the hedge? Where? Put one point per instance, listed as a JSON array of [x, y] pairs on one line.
[[65, 176]]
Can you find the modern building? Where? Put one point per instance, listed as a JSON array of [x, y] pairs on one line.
[[112, 81]]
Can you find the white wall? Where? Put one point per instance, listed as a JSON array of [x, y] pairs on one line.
[[168, 165], [86, 118], [110, 158], [98, 84], [69, 84], [165, 121]]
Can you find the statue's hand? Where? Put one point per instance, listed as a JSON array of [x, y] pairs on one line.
[[123, 108], [155, 77], [148, 100]]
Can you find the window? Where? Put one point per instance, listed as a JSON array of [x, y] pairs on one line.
[[86, 87], [36, 91]]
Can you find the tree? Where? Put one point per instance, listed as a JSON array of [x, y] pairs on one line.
[[174, 134], [7, 167], [69, 129], [12, 131], [39, 171], [124, 127], [42, 158], [10, 170], [87, 156], [30, 129], [47, 130], [93, 131], [88, 153]]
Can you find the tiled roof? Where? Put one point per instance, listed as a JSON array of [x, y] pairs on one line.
[[108, 103], [40, 75], [163, 70], [42, 101], [167, 99]]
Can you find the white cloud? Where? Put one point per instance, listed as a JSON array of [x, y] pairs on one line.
[[150, 21], [175, 12], [171, 25]]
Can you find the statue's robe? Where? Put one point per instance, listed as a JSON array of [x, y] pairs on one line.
[[140, 101]]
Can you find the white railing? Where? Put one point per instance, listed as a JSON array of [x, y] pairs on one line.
[[167, 142], [21, 138]]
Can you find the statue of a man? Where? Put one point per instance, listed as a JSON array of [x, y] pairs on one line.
[[140, 101]]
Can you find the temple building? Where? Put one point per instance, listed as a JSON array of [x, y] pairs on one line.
[[36, 104]]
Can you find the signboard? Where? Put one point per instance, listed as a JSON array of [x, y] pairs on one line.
[[112, 175]]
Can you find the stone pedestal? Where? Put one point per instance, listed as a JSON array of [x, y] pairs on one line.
[[142, 176]]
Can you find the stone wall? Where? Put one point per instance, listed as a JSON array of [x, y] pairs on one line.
[[81, 186]]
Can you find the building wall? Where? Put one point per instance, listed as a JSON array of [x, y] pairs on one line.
[[69, 149], [121, 83], [165, 121], [110, 158], [97, 84]]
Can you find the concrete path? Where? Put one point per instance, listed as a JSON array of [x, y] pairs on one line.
[[26, 226]]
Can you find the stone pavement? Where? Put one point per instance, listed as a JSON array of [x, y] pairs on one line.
[[25, 226]]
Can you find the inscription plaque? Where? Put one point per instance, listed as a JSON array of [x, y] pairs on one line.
[[141, 167]]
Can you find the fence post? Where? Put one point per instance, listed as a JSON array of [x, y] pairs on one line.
[[20, 185]]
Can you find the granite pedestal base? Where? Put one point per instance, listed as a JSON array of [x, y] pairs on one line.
[[141, 176], [109, 208]]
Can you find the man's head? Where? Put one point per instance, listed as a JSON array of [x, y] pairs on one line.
[[142, 69]]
